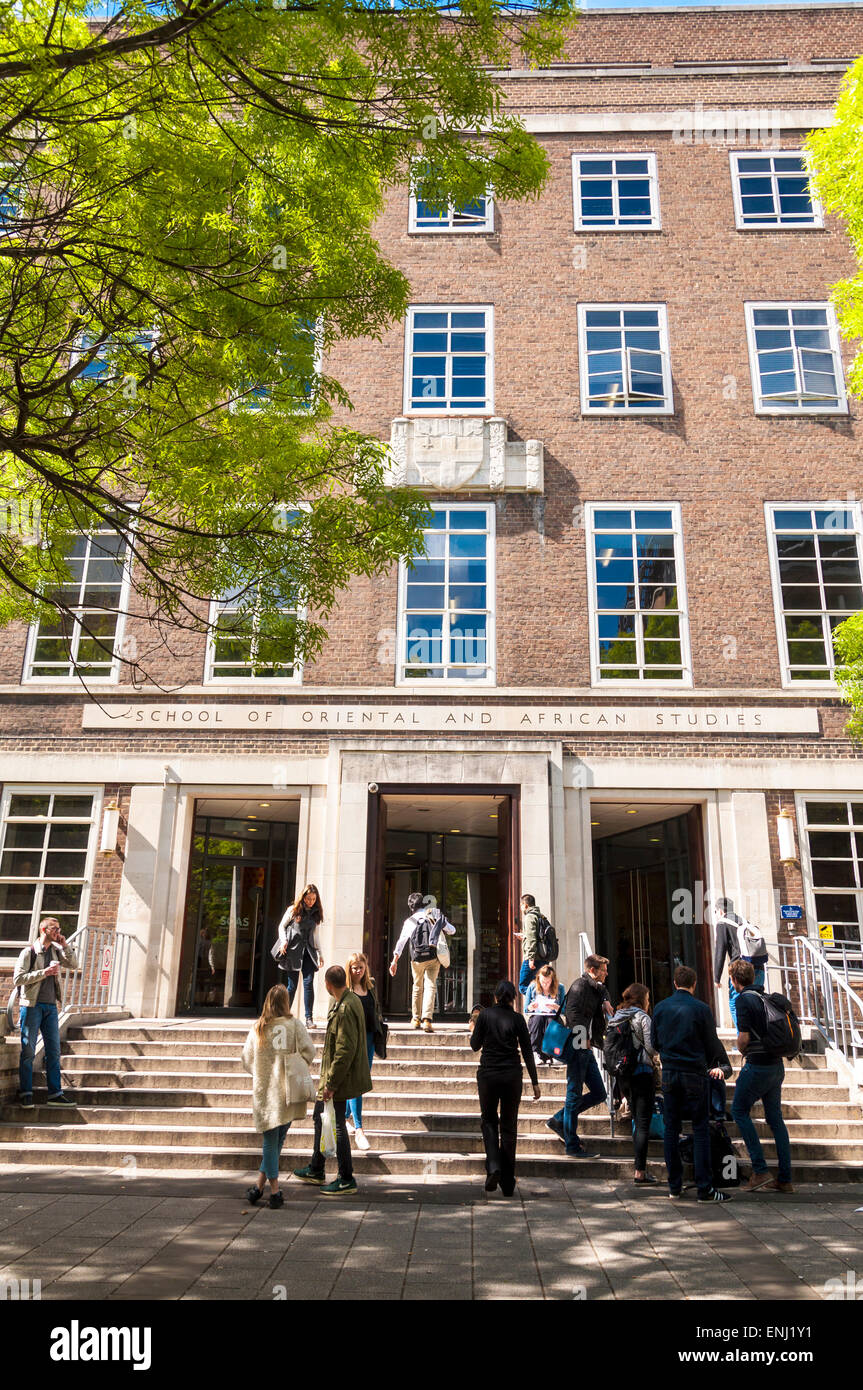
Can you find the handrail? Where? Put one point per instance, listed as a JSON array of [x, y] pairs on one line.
[[825, 1000], [83, 987], [584, 949]]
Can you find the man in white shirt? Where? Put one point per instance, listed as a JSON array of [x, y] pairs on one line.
[[420, 932]]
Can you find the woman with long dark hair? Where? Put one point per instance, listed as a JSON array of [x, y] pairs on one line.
[[299, 941], [502, 1034]]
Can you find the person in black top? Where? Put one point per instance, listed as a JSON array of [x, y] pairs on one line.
[[761, 1079], [500, 1032]]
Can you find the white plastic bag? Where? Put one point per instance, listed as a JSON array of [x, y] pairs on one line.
[[328, 1130]]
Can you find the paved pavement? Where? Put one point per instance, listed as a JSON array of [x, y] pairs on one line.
[[105, 1235]]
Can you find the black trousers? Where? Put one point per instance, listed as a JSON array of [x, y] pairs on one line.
[[499, 1098], [641, 1090], [343, 1143]]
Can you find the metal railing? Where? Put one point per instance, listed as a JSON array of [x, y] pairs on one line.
[[822, 996], [99, 981]]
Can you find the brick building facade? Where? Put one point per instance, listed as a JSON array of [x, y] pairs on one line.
[[625, 803]]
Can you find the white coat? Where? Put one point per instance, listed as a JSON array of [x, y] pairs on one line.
[[266, 1063]]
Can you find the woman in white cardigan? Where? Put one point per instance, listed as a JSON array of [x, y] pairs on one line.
[[278, 1052]]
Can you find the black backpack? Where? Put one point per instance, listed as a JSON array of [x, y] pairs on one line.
[[782, 1036], [547, 944], [620, 1050], [421, 947]]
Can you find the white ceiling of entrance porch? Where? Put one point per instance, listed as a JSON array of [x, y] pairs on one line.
[[255, 808], [471, 815], [614, 816]]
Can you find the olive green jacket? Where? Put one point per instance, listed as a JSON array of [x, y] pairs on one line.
[[345, 1062], [530, 927]]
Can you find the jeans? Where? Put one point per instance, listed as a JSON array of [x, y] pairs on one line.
[[425, 973], [33, 1018], [525, 977], [292, 979], [273, 1141], [536, 1026], [343, 1143], [581, 1070], [499, 1133], [641, 1090], [763, 1083], [355, 1106], [686, 1097], [758, 983]]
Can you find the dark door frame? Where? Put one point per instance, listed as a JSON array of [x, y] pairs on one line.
[[373, 941]]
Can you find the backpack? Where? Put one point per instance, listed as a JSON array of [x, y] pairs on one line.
[[782, 1035], [620, 1051], [750, 942], [421, 947], [547, 944]]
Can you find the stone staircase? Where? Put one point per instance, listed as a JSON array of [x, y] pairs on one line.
[[171, 1093]]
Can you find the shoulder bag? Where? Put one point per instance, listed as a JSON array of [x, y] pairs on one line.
[[299, 1086]]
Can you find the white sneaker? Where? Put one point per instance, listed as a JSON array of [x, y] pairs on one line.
[[350, 1126], [361, 1140]]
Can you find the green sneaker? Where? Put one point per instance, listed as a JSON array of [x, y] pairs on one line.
[[339, 1188], [308, 1174]]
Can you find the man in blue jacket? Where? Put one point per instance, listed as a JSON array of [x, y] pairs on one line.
[[684, 1035]]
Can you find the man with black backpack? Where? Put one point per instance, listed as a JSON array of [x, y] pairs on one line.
[[36, 979], [538, 939], [737, 939], [420, 934], [768, 1031]]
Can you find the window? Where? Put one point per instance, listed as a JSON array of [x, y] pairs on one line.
[[475, 216], [772, 190], [105, 366], [242, 647], [10, 193], [639, 628], [446, 599], [623, 357], [833, 837], [615, 192], [449, 360], [48, 843], [816, 560], [85, 642], [306, 367], [795, 360]]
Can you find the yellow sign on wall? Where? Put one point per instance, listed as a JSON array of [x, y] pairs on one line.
[[825, 931]]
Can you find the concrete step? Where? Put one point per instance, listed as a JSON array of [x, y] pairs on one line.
[[426, 1164]]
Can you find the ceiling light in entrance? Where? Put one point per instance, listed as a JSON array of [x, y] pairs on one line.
[[632, 810], [594, 822], [263, 803]]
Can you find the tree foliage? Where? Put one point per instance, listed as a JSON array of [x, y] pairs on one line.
[[188, 204]]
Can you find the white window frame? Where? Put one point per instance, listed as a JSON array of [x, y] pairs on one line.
[[442, 682], [249, 406], [449, 227], [809, 889], [584, 383], [772, 226], [441, 408], [6, 167], [57, 789], [116, 663], [778, 611], [655, 223], [640, 683], [791, 408], [78, 350]]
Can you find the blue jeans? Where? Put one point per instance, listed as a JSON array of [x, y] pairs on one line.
[[33, 1018], [763, 1083], [273, 1141], [292, 979], [355, 1106], [685, 1096], [581, 1070], [758, 983], [525, 977]]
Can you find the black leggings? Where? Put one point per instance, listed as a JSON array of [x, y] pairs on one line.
[[642, 1094]]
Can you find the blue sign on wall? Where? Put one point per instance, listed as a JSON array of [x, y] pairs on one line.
[[788, 911]]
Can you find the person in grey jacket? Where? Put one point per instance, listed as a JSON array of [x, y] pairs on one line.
[[732, 932], [36, 976]]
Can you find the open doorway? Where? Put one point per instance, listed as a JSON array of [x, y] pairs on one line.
[[648, 866], [242, 871], [459, 847]]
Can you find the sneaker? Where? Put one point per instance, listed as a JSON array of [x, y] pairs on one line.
[[339, 1188], [714, 1195], [26, 1101], [776, 1186], [361, 1140], [276, 1200], [427, 1028], [254, 1194], [350, 1126], [309, 1174], [492, 1180], [675, 1196], [556, 1128], [539, 1059], [581, 1152], [757, 1180], [310, 1023], [416, 1023], [60, 1100]]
